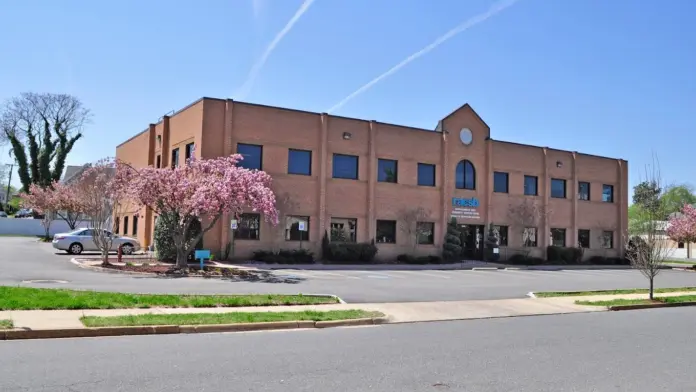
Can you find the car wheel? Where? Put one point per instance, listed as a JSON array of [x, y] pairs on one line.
[[75, 248], [127, 249]]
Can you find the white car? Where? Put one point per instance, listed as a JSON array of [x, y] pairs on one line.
[[81, 240]]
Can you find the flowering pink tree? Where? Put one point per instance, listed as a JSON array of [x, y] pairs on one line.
[[682, 227], [67, 203], [41, 200], [201, 189]]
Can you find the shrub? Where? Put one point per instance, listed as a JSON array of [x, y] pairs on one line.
[[289, 256], [410, 259], [563, 255], [521, 259], [164, 243], [350, 252], [601, 260], [452, 248]]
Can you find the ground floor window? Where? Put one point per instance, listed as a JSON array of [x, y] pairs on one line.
[[386, 231], [426, 233], [529, 237], [558, 237], [343, 229], [117, 222], [607, 239], [502, 232], [248, 227], [584, 238], [125, 225], [297, 228], [680, 245]]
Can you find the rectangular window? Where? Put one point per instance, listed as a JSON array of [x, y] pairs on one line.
[[159, 161], [345, 166], [502, 235], [175, 157], [117, 223], [500, 182], [252, 154], [386, 231], [387, 170], [583, 190], [584, 238], [680, 245], [608, 193], [607, 239], [529, 237], [558, 237], [426, 174], [125, 225], [189, 151], [293, 224], [135, 225], [248, 226], [558, 188], [343, 229], [530, 185], [300, 162], [425, 232]]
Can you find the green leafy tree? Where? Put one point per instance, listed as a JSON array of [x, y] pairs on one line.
[[452, 248], [676, 196], [647, 196], [164, 241], [41, 129]]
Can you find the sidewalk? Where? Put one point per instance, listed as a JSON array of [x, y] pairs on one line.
[[468, 265]]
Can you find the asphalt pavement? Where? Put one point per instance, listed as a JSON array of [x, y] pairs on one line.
[[645, 350], [23, 261]]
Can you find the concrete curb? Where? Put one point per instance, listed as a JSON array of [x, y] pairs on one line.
[[650, 306], [19, 334]]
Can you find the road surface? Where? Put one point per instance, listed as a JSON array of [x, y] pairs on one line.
[[646, 350]]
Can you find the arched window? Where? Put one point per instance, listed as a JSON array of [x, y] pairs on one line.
[[465, 177]]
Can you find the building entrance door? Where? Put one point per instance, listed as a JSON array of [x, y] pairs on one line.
[[472, 241]]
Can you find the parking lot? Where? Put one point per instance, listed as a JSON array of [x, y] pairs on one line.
[[26, 262]]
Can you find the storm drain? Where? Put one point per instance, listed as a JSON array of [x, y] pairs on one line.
[[45, 281]]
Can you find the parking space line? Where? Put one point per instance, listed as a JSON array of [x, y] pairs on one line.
[[318, 274], [420, 273]]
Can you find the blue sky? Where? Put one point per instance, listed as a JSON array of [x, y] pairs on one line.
[[613, 78]]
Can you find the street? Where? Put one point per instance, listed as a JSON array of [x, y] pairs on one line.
[[613, 351], [24, 259]]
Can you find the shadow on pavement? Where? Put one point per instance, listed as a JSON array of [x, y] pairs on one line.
[[247, 276]]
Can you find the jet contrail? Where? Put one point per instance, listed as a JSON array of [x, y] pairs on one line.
[[496, 8], [254, 72]]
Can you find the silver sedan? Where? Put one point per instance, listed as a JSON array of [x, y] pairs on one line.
[[81, 240]]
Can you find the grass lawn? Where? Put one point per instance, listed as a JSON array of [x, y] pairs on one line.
[[616, 302], [25, 298], [681, 261], [546, 294], [224, 318], [5, 324]]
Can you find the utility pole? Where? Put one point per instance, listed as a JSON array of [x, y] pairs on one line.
[[9, 181]]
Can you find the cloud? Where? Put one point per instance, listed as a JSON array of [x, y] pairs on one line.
[[495, 9], [256, 68]]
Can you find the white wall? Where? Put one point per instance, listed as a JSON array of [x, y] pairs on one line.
[[33, 226]]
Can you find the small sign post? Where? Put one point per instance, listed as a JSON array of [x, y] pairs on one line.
[[202, 254], [301, 226], [233, 224]]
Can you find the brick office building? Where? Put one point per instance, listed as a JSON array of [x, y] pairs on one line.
[[360, 180]]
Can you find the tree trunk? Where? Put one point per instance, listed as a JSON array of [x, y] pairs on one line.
[[651, 288], [181, 258], [105, 257]]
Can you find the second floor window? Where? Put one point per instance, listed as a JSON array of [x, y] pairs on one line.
[[426, 174], [175, 157], [189, 151], [465, 176], [558, 188], [500, 182], [608, 193], [345, 166], [300, 162], [252, 154], [387, 170], [583, 190], [530, 185]]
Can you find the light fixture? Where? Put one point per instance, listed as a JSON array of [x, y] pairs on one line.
[[559, 164], [346, 135]]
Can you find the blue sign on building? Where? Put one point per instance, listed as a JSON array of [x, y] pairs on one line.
[[461, 202]]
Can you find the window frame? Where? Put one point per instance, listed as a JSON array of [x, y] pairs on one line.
[[430, 238], [536, 185], [565, 188], [386, 175], [426, 166], [499, 229], [244, 218], [507, 182], [299, 151], [589, 238], [125, 225], [242, 162], [556, 230], [352, 233], [611, 194], [465, 163], [304, 235], [604, 239], [117, 225], [175, 157], [158, 161], [134, 231], [589, 190], [188, 151], [377, 230], [526, 242], [333, 166]]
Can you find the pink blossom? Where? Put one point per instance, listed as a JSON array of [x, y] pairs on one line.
[[682, 228]]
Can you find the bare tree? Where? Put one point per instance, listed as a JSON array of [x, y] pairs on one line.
[[526, 217], [649, 247], [408, 224], [41, 130]]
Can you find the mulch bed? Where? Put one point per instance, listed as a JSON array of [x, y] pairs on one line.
[[169, 270]]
